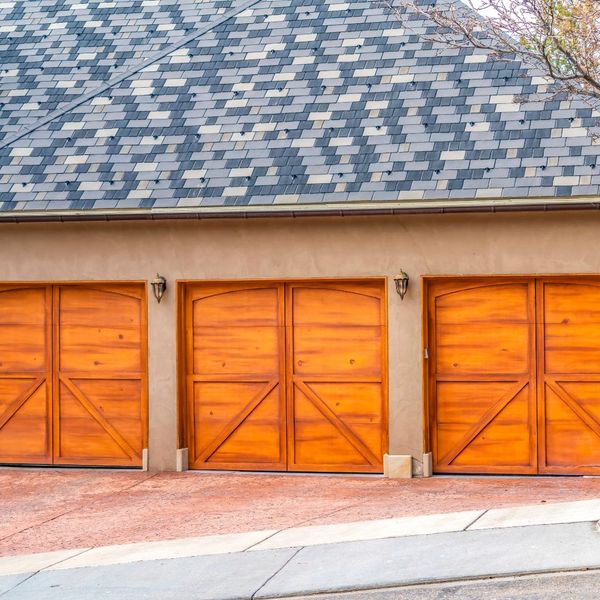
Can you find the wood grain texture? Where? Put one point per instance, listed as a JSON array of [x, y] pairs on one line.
[[100, 368], [25, 374], [73, 387], [482, 380], [569, 372], [484, 369], [335, 372], [235, 376], [285, 375]]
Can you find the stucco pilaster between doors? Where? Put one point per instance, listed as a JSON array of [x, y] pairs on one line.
[[162, 379]]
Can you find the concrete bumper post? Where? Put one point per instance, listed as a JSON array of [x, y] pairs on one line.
[[397, 466], [182, 460]]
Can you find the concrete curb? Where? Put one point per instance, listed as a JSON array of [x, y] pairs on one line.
[[358, 565], [502, 518]]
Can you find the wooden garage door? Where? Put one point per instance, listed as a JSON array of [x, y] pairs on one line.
[[569, 366], [234, 364], [336, 409], [514, 375], [285, 376], [72, 374], [25, 374], [483, 376]]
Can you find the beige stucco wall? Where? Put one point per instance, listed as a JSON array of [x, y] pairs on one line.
[[296, 248]]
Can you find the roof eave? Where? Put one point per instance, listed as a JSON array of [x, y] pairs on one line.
[[309, 210]]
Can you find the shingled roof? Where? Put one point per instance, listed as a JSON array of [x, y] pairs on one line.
[[193, 106]]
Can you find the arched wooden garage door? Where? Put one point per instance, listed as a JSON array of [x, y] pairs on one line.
[[569, 375], [72, 374], [514, 375], [285, 376], [336, 376]]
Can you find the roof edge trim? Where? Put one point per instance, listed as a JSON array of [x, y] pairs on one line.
[[309, 210]]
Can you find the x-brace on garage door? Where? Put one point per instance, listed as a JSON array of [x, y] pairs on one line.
[[285, 376], [514, 374], [72, 374]]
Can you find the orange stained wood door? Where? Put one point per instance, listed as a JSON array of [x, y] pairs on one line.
[[72, 374], [336, 376], [569, 371], [99, 411], [234, 371], [482, 375], [25, 374], [285, 376]]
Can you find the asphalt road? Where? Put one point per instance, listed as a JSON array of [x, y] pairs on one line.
[[580, 585]]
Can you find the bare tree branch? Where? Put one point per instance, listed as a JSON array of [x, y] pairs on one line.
[[560, 39]]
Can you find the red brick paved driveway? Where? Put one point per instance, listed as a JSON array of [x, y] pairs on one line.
[[43, 510]]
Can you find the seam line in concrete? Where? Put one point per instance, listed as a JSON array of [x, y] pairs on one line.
[[41, 524], [285, 564], [75, 508], [30, 576], [103, 87], [263, 540], [476, 519], [307, 522]]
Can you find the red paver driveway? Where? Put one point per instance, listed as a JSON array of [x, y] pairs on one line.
[[49, 509]]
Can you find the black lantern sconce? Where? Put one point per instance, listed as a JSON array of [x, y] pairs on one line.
[[159, 285], [401, 281]]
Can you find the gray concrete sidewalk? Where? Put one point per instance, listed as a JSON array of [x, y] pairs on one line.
[[324, 568]]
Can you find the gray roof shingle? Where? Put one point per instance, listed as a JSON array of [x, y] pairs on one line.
[[288, 102]]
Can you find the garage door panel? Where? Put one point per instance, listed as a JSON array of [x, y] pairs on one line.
[[500, 438], [318, 442], [337, 351], [237, 422], [80, 438], [22, 348], [483, 303], [354, 402], [118, 402], [482, 375], [358, 406], [25, 374], [572, 425], [99, 411], [504, 441], [463, 348], [98, 331], [351, 306], [236, 350], [263, 424], [226, 306], [570, 370], [572, 347], [236, 403], [24, 420], [571, 302], [24, 330], [335, 368], [465, 403]]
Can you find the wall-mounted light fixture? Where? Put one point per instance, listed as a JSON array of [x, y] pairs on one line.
[[401, 281], [159, 285]]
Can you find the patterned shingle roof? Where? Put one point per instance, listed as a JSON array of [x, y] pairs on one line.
[[55, 50], [285, 103]]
